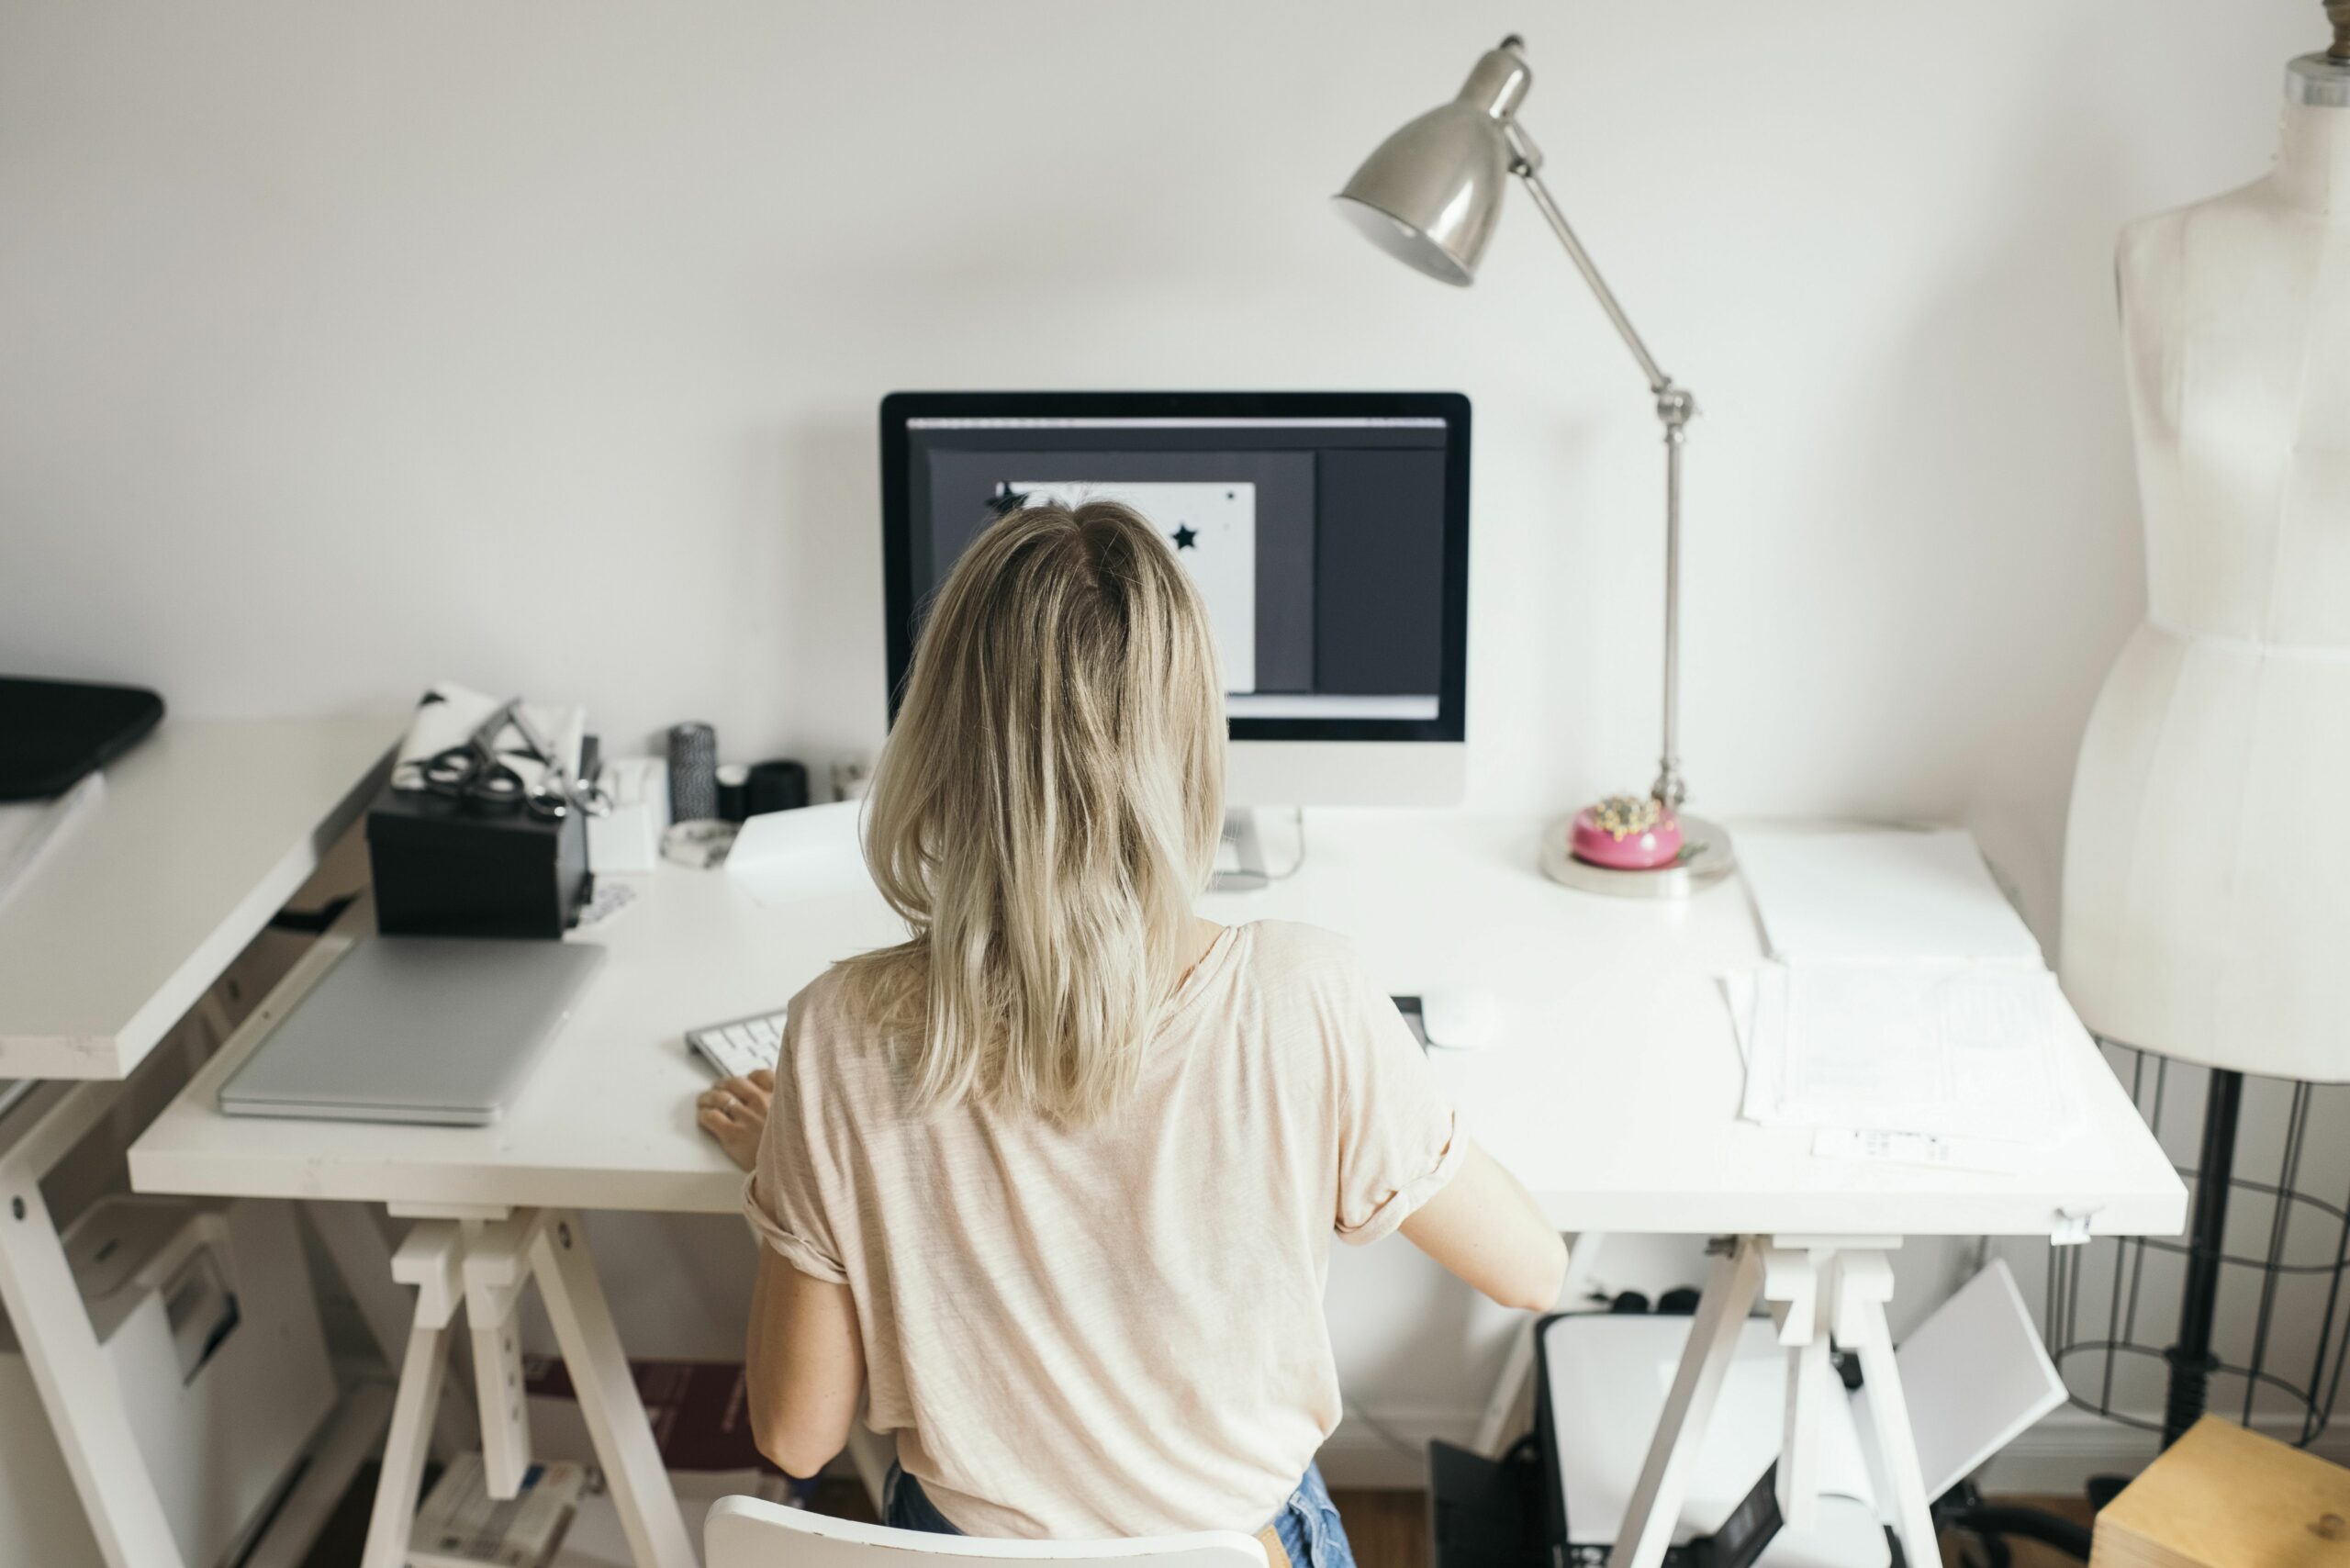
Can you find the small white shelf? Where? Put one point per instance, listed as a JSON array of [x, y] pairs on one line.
[[205, 829]]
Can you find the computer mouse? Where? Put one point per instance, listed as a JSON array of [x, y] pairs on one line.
[[1460, 1017]]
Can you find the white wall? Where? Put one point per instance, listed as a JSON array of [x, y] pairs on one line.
[[538, 345]]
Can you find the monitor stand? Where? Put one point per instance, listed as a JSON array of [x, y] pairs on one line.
[[1247, 872]]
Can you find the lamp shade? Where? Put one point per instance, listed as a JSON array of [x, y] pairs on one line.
[[1430, 194]]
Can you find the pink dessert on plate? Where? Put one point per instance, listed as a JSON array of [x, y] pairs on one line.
[[1626, 832]]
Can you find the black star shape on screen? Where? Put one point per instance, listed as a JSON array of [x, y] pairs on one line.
[[1186, 537]]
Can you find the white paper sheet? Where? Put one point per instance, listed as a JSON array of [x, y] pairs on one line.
[[1929, 1151], [1880, 895], [1918, 1047], [1956, 1051]]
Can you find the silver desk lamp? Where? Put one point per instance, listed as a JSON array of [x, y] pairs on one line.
[[1429, 197]]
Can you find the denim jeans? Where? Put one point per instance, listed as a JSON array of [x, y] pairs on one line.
[[1307, 1523]]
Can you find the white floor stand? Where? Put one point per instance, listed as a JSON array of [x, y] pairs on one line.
[[481, 1261], [70, 1369], [354, 1244]]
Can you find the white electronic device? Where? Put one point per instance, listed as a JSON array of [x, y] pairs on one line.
[[741, 1047], [1460, 1017], [784, 857], [1975, 1371], [1327, 533], [1608, 1375], [438, 1031], [206, 1318]]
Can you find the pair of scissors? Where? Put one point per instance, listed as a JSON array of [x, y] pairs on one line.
[[472, 772], [587, 794]]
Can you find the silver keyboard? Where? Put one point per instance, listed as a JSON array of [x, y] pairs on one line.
[[741, 1047]]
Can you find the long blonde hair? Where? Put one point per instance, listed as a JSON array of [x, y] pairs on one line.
[[1044, 813]]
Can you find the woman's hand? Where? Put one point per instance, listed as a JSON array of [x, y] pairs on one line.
[[735, 1113]]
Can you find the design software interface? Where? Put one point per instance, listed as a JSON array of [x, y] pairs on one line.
[[1319, 542]]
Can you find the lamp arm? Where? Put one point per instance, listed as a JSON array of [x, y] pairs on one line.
[[1528, 170], [1674, 409]]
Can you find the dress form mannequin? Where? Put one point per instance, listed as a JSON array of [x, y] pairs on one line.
[[2207, 870], [2207, 862]]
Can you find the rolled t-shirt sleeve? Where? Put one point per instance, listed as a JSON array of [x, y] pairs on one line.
[[1399, 1138], [784, 1199]]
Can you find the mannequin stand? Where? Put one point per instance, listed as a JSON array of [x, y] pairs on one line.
[[2288, 1254], [2302, 1274], [2191, 1360]]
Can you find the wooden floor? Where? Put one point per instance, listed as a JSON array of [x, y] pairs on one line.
[[1387, 1530], [1390, 1530]]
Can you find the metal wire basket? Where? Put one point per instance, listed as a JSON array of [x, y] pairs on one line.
[[2258, 1281]]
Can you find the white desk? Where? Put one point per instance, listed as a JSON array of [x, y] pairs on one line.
[[1616, 1101], [203, 830]]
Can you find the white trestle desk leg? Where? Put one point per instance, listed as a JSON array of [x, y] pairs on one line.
[[1864, 1283], [1798, 1282], [498, 1269], [1655, 1506], [431, 1258], [1510, 1411], [1809, 1384], [354, 1245], [608, 1396], [76, 1381]]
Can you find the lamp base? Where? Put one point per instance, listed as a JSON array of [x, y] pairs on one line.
[[1706, 859]]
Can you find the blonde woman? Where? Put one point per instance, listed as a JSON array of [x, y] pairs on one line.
[[1053, 1182]]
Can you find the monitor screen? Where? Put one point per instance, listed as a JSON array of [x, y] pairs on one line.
[[1328, 532]]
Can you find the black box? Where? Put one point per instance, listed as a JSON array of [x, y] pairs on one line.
[[449, 867]]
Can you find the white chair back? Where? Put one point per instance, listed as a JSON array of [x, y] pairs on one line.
[[743, 1532]]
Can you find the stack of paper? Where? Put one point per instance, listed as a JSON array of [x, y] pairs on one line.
[[1906, 1013], [460, 1525]]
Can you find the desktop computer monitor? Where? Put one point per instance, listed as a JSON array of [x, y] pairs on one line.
[[1327, 532]]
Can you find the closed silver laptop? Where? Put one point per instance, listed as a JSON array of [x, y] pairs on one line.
[[435, 1030]]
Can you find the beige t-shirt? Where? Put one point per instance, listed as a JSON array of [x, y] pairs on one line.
[[1113, 1330]]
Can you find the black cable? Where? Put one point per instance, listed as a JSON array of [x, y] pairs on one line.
[[1991, 1519]]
